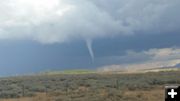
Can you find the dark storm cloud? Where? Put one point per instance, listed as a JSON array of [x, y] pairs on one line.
[[111, 26], [56, 21]]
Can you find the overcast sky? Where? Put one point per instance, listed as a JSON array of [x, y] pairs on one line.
[[39, 35]]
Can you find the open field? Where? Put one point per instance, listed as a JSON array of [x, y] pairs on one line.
[[88, 87]]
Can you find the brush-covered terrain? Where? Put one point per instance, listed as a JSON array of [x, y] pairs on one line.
[[88, 87]]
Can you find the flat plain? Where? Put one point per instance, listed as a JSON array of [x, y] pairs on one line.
[[88, 86]]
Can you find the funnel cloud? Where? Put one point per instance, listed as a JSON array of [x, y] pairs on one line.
[[89, 46]]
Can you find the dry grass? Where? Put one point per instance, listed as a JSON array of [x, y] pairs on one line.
[[156, 94], [152, 95], [38, 97]]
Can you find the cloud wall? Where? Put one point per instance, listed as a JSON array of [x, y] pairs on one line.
[[57, 21]]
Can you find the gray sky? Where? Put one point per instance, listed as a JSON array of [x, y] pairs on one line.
[[67, 34]]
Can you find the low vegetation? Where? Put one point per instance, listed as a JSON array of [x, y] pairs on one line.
[[88, 87]]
